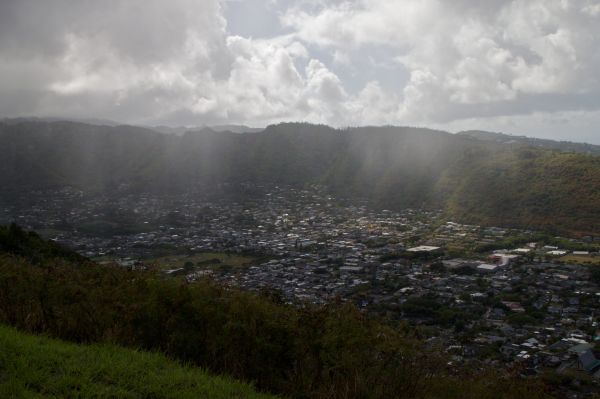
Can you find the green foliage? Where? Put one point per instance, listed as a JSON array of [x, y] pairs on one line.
[[595, 274], [437, 267], [526, 187], [428, 307], [15, 241], [247, 336], [330, 352], [32, 366], [521, 319], [421, 307], [510, 242]]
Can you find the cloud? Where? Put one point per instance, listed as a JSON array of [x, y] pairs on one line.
[[463, 54], [117, 61], [149, 61], [342, 62]]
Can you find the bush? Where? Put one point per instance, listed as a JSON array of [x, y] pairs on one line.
[[333, 351]]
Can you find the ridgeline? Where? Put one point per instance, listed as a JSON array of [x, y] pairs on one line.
[[476, 180]]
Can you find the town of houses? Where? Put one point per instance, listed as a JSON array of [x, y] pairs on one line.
[[531, 304]]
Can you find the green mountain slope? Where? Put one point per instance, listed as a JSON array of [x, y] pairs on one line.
[[35, 367], [475, 180], [527, 188], [329, 352]]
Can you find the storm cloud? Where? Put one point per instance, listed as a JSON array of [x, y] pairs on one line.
[[522, 66]]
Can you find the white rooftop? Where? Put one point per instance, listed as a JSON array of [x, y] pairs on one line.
[[522, 250], [557, 252], [423, 248]]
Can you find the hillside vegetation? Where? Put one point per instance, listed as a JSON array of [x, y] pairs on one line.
[[528, 188], [34, 366], [475, 180], [332, 352]]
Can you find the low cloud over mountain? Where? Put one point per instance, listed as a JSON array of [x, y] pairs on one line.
[[517, 66]]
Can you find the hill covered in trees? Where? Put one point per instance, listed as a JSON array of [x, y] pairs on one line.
[[332, 351], [475, 180]]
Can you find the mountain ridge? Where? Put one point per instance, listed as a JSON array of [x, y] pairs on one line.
[[474, 180], [562, 145]]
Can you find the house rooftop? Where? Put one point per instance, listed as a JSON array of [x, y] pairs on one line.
[[423, 248]]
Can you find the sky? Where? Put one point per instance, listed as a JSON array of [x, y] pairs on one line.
[[527, 67]]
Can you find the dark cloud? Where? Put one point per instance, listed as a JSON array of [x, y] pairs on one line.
[[338, 62]]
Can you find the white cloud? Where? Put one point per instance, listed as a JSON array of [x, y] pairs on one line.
[[342, 62], [465, 53], [120, 61], [156, 62]]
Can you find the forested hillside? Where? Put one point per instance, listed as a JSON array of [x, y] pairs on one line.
[[524, 187], [332, 351], [479, 181]]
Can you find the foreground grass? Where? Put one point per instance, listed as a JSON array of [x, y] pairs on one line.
[[36, 367]]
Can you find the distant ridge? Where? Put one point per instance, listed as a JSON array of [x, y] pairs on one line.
[[180, 130], [89, 121], [176, 130], [476, 177], [503, 138]]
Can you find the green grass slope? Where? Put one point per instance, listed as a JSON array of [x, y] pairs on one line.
[[34, 367]]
